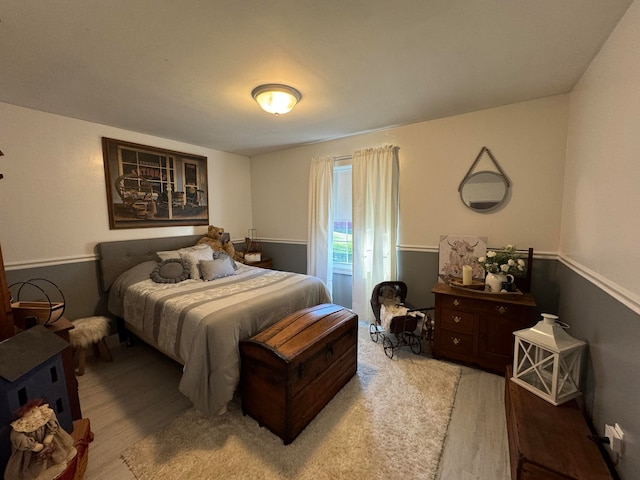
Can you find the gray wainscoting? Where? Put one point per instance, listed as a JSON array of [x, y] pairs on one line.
[[612, 385], [79, 283]]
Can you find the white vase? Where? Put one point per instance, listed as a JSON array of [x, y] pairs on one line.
[[495, 280]]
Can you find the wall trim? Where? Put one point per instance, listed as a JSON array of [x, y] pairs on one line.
[[50, 262], [624, 296], [427, 249], [282, 240]]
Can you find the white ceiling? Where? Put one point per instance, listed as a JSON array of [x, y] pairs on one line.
[[184, 70]]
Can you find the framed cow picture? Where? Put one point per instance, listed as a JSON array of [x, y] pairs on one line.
[[455, 251]]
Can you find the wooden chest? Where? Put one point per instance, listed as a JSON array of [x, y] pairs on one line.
[[291, 370]]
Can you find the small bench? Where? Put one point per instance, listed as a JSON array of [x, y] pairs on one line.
[[549, 442], [90, 331]]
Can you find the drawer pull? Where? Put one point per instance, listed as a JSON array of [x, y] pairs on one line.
[[456, 302], [456, 318], [502, 309], [455, 340]]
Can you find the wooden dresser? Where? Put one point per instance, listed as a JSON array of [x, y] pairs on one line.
[[477, 328]]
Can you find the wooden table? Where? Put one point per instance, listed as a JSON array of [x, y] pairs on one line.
[[264, 263]]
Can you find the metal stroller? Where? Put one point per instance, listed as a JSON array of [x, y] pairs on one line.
[[392, 295]]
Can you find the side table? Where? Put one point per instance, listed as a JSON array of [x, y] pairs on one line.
[[264, 263]]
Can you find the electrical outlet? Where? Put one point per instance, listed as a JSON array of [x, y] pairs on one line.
[[616, 438]]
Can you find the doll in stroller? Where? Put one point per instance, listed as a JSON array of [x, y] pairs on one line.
[[393, 317]]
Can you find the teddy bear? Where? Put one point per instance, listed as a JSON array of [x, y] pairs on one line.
[[214, 240]]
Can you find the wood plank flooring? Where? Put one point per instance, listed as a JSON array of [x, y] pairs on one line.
[[138, 393]]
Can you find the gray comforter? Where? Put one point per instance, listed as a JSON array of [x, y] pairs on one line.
[[200, 323]]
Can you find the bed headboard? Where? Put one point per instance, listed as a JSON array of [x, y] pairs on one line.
[[117, 257]]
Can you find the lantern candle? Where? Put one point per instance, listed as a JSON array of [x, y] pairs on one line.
[[466, 275]]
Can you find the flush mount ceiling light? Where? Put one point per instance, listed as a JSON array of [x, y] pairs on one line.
[[275, 98]]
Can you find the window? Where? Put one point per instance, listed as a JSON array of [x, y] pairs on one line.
[[342, 226]]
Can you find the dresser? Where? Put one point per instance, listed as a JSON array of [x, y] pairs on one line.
[[477, 328]]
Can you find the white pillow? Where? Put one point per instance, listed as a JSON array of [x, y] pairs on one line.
[[168, 254], [193, 255], [216, 268]]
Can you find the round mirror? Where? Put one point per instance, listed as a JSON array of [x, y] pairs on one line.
[[483, 191]]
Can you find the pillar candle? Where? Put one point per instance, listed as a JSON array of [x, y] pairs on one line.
[[466, 275]]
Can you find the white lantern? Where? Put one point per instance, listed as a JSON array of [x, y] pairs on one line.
[[547, 361]]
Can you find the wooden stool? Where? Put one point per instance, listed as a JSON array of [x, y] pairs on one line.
[[89, 331]]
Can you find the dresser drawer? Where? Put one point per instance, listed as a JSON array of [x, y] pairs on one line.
[[457, 320], [512, 310], [455, 345]]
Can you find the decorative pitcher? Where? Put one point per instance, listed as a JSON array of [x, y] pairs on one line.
[[495, 281]]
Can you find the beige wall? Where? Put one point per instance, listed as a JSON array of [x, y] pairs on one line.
[[528, 140], [53, 204], [601, 223]]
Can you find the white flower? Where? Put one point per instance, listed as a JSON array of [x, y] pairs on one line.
[[505, 260]]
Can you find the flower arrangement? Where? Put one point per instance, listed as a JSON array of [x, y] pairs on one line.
[[505, 261]]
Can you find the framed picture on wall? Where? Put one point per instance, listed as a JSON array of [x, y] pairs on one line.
[[154, 187], [455, 251]]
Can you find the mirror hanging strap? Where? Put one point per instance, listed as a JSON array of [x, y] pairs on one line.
[[475, 162]]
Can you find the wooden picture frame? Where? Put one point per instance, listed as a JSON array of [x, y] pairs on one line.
[[154, 187]]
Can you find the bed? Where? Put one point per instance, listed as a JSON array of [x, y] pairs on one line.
[[199, 323]]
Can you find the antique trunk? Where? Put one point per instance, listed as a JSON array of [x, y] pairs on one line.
[[291, 370]]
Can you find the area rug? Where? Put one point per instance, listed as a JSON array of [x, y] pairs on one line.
[[388, 422]]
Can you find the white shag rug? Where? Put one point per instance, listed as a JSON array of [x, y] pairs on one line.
[[388, 422]]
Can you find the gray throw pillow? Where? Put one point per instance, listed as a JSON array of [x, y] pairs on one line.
[[217, 268], [172, 270]]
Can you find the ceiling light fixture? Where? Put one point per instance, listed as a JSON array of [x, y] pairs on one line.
[[275, 98]]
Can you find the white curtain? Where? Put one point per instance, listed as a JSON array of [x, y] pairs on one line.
[[320, 228], [375, 223]]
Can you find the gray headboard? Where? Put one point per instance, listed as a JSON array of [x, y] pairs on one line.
[[117, 257]]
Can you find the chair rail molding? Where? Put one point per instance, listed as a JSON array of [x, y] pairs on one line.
[[624, 296]]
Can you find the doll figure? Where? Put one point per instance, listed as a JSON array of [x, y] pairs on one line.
[[40, 447]]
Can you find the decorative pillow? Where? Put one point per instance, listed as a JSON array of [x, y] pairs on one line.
[[217, 268], [223, 255], [193, 255], [167, 254], [172, 270]]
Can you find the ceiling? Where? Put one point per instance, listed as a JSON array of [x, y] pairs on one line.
[[185, 70]]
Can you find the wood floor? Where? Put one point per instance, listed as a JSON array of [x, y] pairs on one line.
[[138, 393]]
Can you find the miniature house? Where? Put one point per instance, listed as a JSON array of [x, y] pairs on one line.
[[31, 368]]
